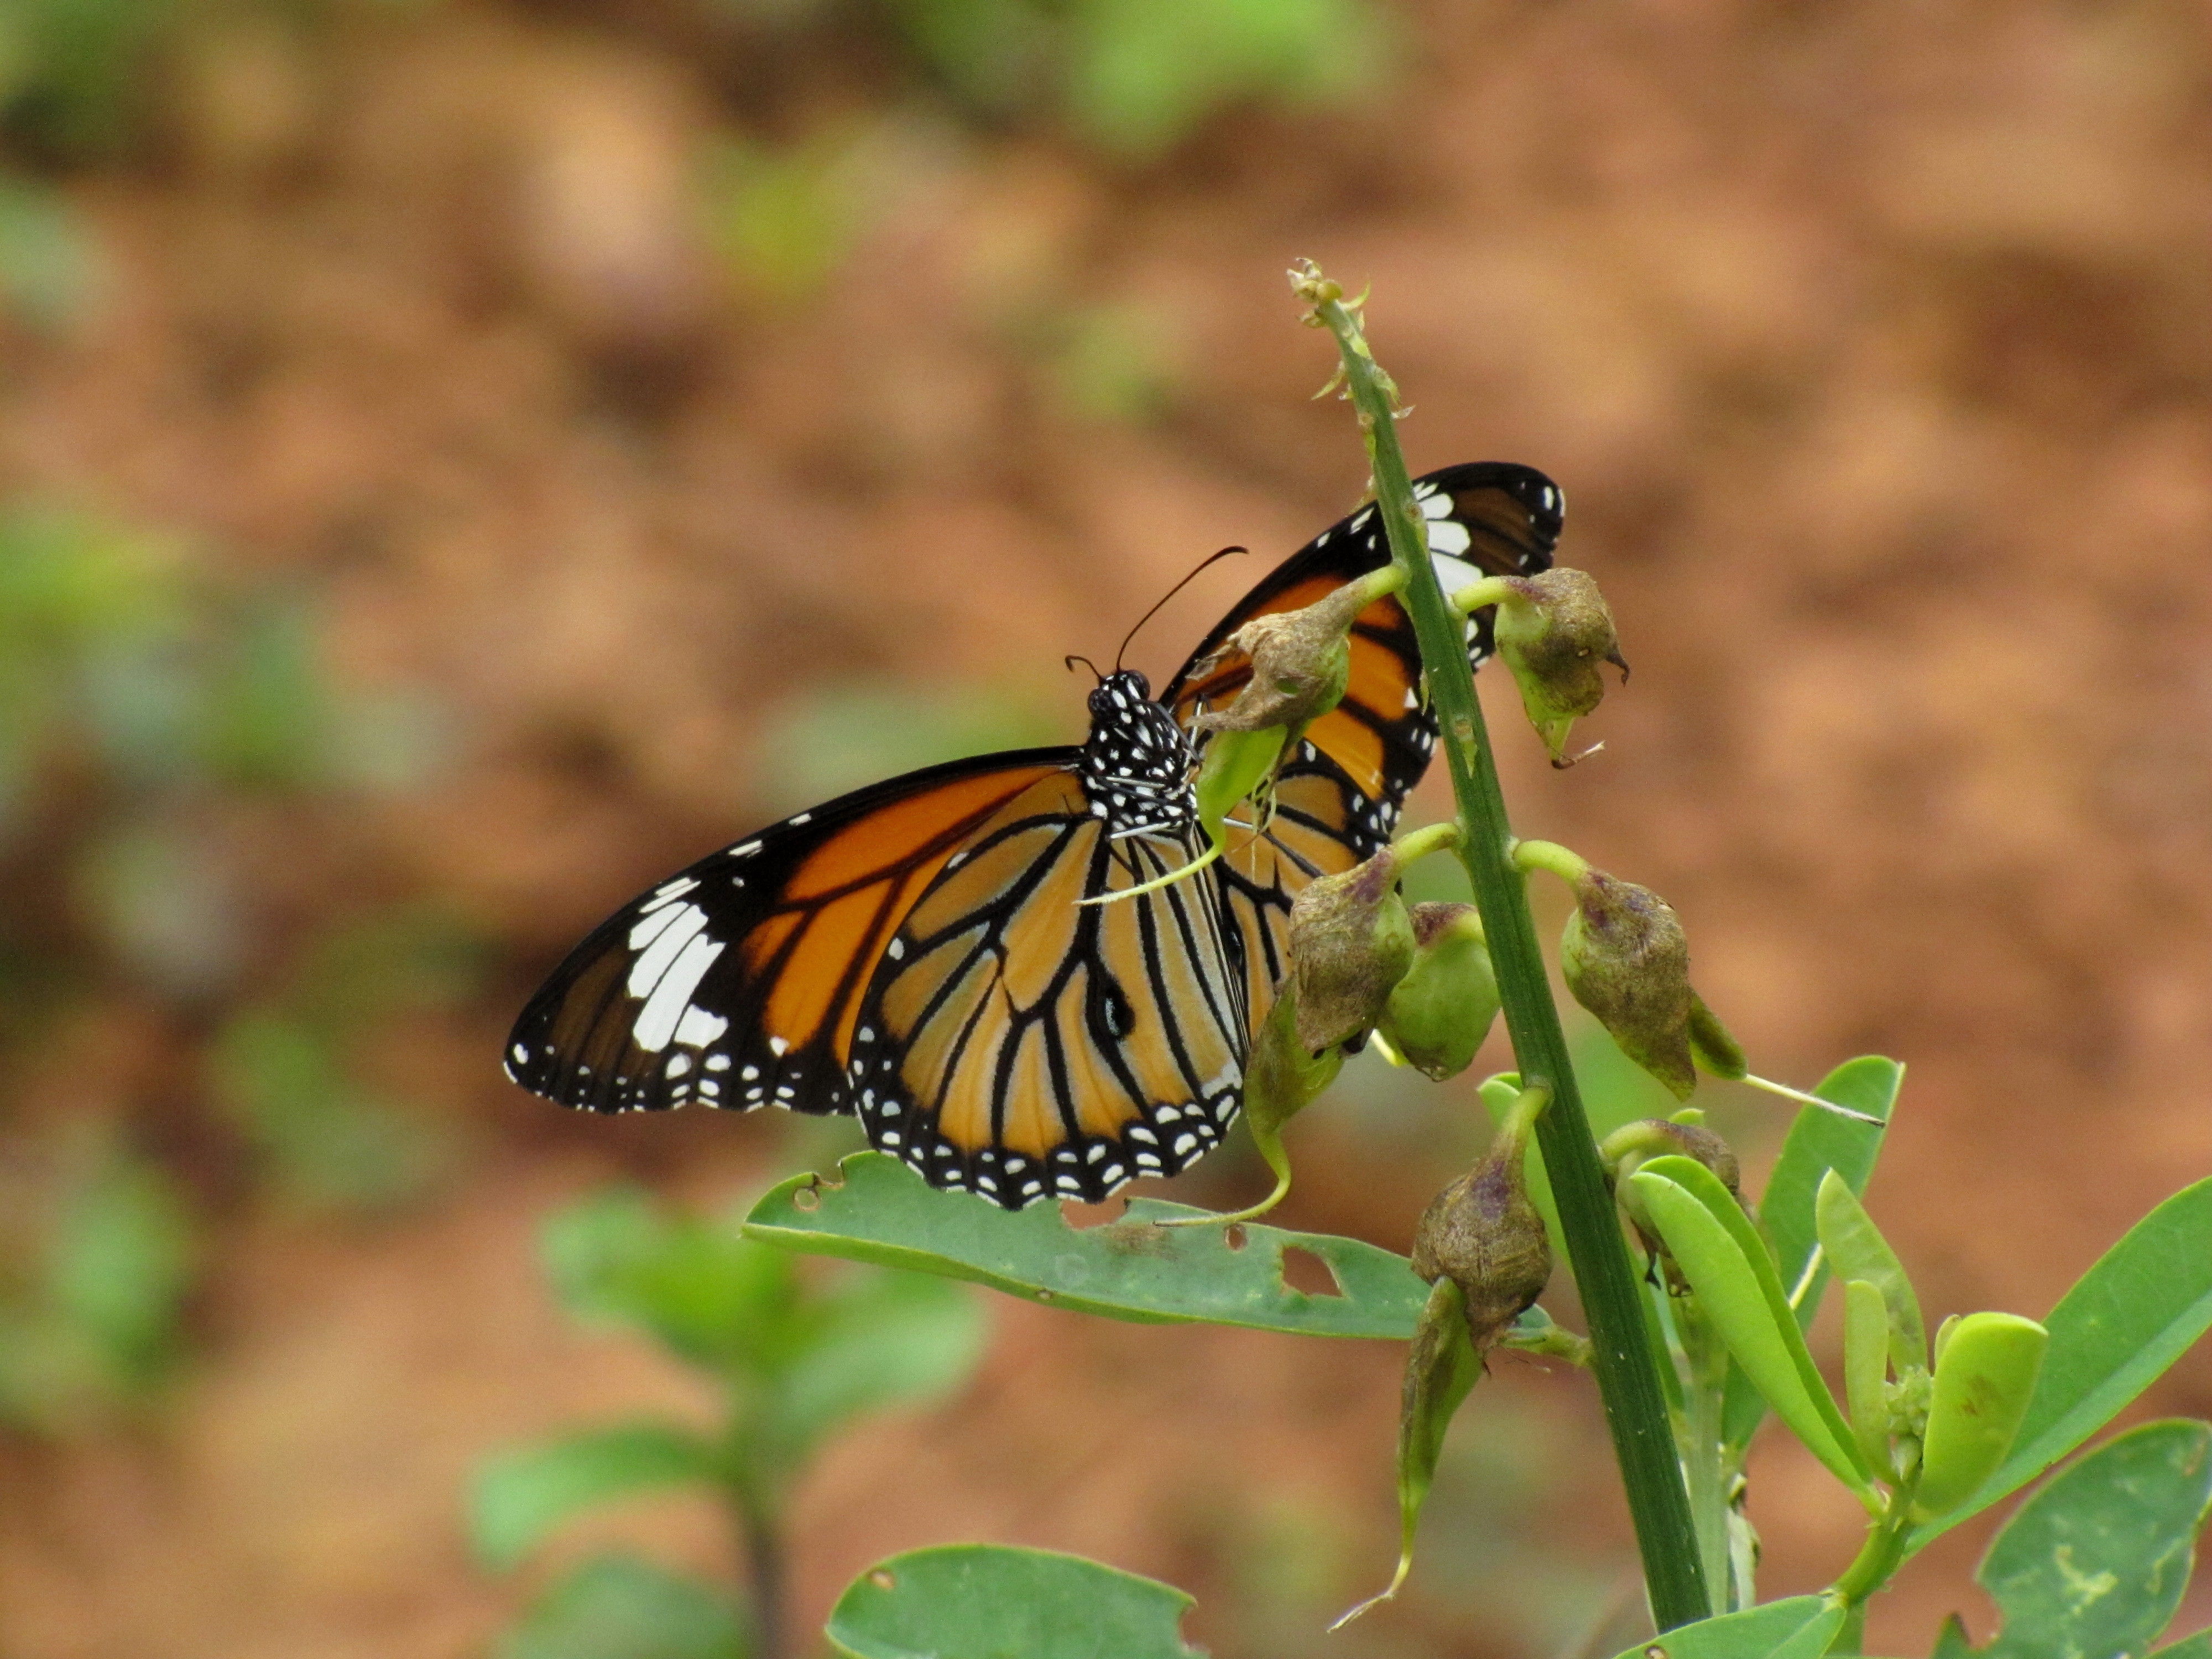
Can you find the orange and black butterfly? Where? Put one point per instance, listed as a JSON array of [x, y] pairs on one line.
[[918, 954]]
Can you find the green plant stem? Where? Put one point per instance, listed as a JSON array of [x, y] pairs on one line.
[[1703, 1454], [1882, 1554], [1628, 1382], [760, 1527]]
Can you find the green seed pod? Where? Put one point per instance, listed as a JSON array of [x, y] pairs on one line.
[[1552, 631], [1237, 763], [1983, 1384], [1483, 1233], [1439, 1013], [1350, 942], [1627, 1148], [1626, 959], [1283, 1076]]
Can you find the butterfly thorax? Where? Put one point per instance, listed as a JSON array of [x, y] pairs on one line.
[[1137, 761]]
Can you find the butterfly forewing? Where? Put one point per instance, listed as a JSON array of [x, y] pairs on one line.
[[738, 981]]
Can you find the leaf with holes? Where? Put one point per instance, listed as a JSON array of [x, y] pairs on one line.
[[2096, 1562], [983, 1600], [1132, 1268]]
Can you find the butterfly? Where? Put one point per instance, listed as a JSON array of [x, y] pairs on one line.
[[921, 953]]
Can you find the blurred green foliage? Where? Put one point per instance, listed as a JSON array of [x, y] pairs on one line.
[[1135, 78], [74, 74], [148, 715], [618, 1606], [831, 738], [50, 273], [95, 1267], [795, 1356]]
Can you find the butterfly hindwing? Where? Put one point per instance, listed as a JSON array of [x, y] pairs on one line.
[[1020, 1042], [737, 980]]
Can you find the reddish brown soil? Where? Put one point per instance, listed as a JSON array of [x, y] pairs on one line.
[[1870, 345]]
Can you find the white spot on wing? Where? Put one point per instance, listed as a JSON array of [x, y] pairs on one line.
[[647, 972], [657, 1020], [698, 1028], [1449, 536]]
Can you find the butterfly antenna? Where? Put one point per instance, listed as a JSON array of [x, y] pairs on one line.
[[1211, 559], [1071, 660]]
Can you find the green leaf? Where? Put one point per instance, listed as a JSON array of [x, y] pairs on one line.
[[2096, 1562], [984, 1602], [617, 1606], [1866, 1370], [1132, 1269], [1856, 1249], [1754, 1633], [1817, 1142], [521, 1496], [2198, 1646], [1726, 1262], [2125, 1321]]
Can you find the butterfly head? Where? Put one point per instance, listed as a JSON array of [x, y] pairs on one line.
[[1136, 765]]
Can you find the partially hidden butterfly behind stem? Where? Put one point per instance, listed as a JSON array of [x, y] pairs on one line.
[[919, 954]]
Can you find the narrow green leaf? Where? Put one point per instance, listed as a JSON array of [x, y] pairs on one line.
[[1817, 1142], [1754, 1633], [986, 1601], [2125, 1321], [2097, 1561], [1866, 1368], [1856, 1249], [520, 1496], [617, 1606], [1132, 1268], [1729, 1294]]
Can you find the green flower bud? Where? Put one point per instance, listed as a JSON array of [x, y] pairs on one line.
[[1300, 660], [1626, 959], [1439, 1013], [1553, 631], [1351, 941], [1483, 1233], [1983, 1384]]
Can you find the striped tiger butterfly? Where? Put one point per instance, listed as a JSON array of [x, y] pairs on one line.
[[918, 953]]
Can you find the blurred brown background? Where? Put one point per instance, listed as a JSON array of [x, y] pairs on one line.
[[460, 460]]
